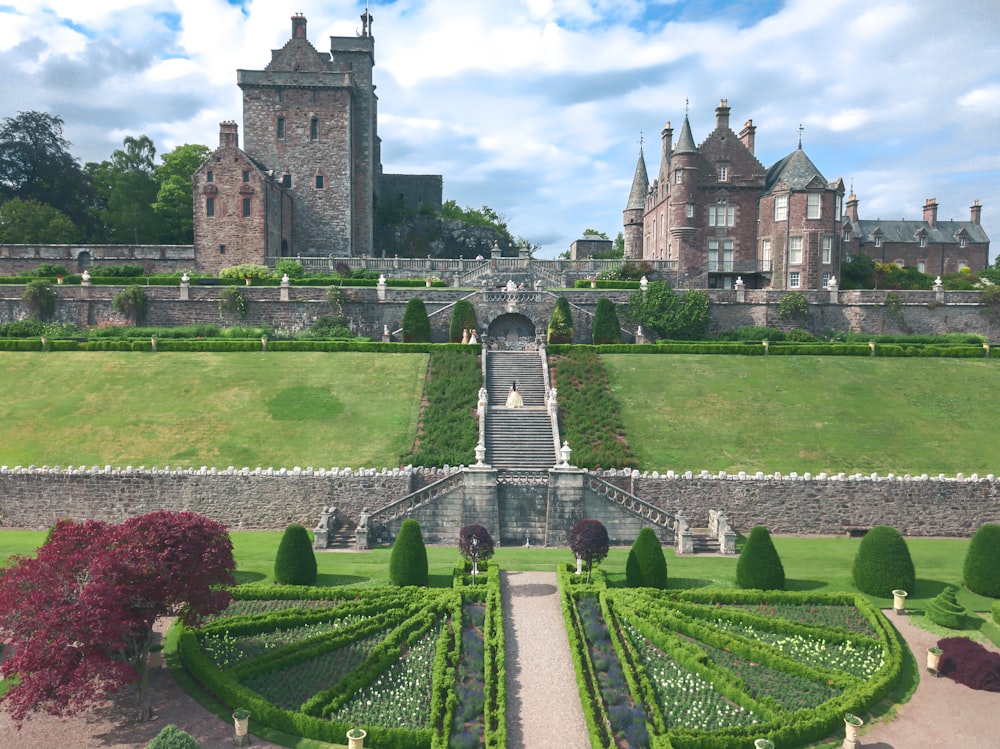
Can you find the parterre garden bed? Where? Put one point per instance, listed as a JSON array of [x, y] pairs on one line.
[[414, 667], [713, 669]]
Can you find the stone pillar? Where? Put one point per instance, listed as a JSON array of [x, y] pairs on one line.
[[565, 503], [284, 288], [185, 287], [834, 288], [479, 503], [938, 290], [386, 335]]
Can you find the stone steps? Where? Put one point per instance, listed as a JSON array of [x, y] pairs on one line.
[[521, 438]]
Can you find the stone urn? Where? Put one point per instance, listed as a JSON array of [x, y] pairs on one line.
[[155, 659], [356, 738], [898, 601], [852, 728], [763, 744], [241, 723], [933, 659]]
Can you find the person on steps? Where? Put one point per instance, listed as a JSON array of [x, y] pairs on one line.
[[514, 397]]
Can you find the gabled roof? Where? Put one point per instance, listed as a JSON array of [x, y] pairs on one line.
[[796, 171], [903, 231], [640, 185], [685, 141]]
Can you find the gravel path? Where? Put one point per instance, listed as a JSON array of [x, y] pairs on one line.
[[543, 702]]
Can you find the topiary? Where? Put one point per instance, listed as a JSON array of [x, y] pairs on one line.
[[759, 565], [416, 326], [588, 540], [646, 566], [561, 323], [171, 737], [981, 573], [883, 563], [607, 328], [945, 610], [295, 562], [463, 317], [408, 561]]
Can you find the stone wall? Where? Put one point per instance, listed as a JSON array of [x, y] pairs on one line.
[[25, 258]]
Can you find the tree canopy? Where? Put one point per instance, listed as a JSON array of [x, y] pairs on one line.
[[174, 195], [588, 539], [669, 315], [475, 543], [31, 222], [79, 615]]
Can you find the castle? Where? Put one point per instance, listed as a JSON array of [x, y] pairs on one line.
[[717, 216], [309, 178]]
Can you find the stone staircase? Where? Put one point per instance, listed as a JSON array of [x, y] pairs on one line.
[[704, 542], [518, 438]]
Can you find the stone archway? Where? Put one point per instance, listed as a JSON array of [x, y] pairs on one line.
[[512, 331]]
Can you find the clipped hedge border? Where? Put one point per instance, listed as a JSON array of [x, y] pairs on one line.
[[783, 348], [224, 345]]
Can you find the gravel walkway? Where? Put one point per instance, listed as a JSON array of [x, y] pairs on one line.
[[543, 702]]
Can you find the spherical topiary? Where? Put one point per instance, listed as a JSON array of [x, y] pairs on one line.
[[172, 737], [607, 328], [945, 610], [646, 566], [416, 325], [295, 562], [759, 565], [982, 562], [408, 561], [883, 563]]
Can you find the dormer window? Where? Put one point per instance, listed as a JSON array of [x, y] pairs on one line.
[[723, 172], [922, 241], [878, 240], [961, 242]]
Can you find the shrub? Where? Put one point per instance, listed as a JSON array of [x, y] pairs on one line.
[[588, 539], [48, 270], [293, 268], [232, 301], [463, 316], [117, 271], [646, 566], [981, 572], [408, 561], [416, 326], [759, 565], [607, 328], [883, 563], [39, 299], [969, 663], [248, 270], [561, 323], [295, 562], [171, 737], [945, 610], [132, 303], [475, 543], [330, 326], [793, 306]]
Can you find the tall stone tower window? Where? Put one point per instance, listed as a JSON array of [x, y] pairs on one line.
[[795, 250], [314, 128], [281, 128], [678, 177], [780, 207], [246, 176], [222, 249], [813, 205], [209, 176], [209, 207], [827, 250], [246, 207], [319, 182], [765, 254], [286, 180]]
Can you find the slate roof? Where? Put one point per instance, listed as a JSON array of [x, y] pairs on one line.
[[640, 185], [903, 231], [685, 141], [795, 170]]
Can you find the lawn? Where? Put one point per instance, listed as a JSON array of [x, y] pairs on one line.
[[209, 409], [808, 413]]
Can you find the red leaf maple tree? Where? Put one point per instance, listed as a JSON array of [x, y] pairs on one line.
[[588, 539], [78, 616]]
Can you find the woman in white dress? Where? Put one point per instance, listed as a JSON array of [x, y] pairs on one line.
[[514, 397]]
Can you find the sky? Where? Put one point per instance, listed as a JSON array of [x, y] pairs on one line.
[[538, 108]]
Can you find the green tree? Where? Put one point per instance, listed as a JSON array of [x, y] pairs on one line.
[[126, 189], [981, 572], [408, 560], [36, 165], [759, 565], [646, 567], [174, 193], [416, 325], [588, 540], [463, 317], [31, 222], [132, 303], [670, 315], [607, 329], [793, 306], [561, 323], [295, 562], [883, 563], [857, 273], [39, 299]]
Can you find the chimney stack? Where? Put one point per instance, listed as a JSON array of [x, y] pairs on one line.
[[722, 115], [930, 211], [229, 134], [975, 212], [747, 135], [298, 26], [667, 134], [851, 207]]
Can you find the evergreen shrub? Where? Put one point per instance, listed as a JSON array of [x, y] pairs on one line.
[[295, 562], [646, 566], [39, 298], [416, 325], [408, 560], [759, 565], [883, 563], [171, 737], [131, 302], [981, 572], [945, 610], [561, 323], [463, 317], [607, 328]]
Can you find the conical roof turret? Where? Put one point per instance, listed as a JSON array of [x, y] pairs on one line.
[[640, 185], [685, 142]]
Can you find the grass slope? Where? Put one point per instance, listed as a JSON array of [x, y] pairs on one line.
[[808, 413], [183, 410]]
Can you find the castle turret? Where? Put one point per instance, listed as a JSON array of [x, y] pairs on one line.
[[632, 216]]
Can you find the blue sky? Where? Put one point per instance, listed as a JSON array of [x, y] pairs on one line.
[[536, 107]]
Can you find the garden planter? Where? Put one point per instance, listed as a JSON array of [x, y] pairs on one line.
[[933, 659], [898, 601], [763, 744], [593, 284], [241, 722], [852, 728], [356, 738], [155, 656]]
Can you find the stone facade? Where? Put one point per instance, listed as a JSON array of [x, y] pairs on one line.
[[16, 259]]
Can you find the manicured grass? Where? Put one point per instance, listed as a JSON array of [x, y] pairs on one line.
[[808, 413], [205, 409]]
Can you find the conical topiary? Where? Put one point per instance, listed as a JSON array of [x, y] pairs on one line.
[[945, 610], [646, 566], [759, 565], [408, 561], [463, 317], [982, 562], [416, 325], [561, 323], [607, 328], [883, 563], [295, 562]]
